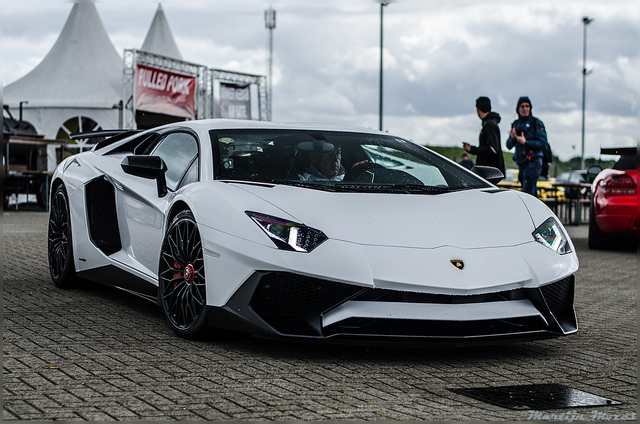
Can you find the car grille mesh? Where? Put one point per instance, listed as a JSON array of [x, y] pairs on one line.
[[286, 294], [558, 295]]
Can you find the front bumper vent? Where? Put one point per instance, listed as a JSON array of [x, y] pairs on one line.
[[294, 305], [559, 295], [559, 299]]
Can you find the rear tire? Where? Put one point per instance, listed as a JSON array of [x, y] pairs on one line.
[[59, 245], [181, 281], [596, 239]]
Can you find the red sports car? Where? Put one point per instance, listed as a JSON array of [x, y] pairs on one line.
[[614, 206]]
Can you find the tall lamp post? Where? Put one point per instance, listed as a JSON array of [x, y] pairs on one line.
[[270, 24], [586, 21], [382, 5]]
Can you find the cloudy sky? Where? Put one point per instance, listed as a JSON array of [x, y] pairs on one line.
[[438, 58]]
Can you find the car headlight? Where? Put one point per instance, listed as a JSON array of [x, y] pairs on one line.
[[551, 235], [288, 235]]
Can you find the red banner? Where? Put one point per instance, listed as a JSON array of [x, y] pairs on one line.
[[162, 91]]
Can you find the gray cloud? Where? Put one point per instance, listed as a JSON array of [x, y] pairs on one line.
[[438, 59]]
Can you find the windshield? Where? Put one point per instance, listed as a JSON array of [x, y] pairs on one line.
[[332, 160]]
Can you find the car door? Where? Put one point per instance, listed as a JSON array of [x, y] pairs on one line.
[[145, 210]]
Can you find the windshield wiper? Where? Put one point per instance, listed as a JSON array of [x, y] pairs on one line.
[[337, 186], [418, 188], [395, 188], [317, 185]]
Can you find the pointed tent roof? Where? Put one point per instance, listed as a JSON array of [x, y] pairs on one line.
[[82, 69], [160, 39]]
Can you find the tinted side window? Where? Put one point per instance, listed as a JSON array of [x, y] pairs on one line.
[[178, 151], [192, 174]]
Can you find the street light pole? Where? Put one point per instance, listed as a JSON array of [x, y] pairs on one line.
[[270, 24], [382, 5], [586, 21]]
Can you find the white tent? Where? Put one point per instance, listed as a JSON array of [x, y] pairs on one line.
[[159, 39], [77, 84]]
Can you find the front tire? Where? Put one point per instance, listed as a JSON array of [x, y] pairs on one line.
[[181, 280], [59, 245]]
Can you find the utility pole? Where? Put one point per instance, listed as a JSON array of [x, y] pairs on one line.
[[270, 24], [586, 21], [382, 5]]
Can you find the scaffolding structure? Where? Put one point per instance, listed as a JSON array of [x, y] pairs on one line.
[[219, 75], [206, 78]]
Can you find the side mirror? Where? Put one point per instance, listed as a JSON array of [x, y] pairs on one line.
[[150, 167], [489, 173]]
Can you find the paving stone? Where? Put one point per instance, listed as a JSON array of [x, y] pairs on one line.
[[98, 354]]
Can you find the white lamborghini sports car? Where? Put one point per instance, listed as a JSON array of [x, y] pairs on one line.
[[312, 232]]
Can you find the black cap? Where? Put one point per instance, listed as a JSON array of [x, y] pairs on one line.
[[484, 104]]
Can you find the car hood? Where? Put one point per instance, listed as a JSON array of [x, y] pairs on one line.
[[464, 219]]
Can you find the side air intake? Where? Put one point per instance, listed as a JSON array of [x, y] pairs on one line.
[[103, 220]]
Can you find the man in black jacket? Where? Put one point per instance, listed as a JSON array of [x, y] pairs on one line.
[[489, 150]]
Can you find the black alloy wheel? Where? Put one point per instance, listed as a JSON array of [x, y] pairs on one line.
[[182, 288], [59, 246]]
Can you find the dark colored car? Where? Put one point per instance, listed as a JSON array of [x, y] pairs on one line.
[[581, 176], [614, 206], [576, 177]]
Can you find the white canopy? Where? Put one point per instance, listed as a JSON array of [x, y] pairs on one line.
[[160, 39], [76, 85], [82, 69]]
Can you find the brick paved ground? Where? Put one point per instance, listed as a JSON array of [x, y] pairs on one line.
[[100, 354]]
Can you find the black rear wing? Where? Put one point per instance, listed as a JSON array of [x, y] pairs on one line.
[[622, 151], [110, 136]]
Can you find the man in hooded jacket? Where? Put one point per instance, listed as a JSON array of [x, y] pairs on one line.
[[529, 138], [489, 150]]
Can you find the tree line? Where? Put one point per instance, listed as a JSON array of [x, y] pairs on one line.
[[557, 166]]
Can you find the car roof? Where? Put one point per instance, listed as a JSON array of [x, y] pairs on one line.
[[205, 125], [213, 124]]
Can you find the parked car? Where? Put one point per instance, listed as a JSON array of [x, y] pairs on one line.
[[573, 177], [582, 176], [614, 207], [545, 186], [311, 232]]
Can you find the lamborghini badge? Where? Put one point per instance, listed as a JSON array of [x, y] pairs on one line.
[[457, 263]]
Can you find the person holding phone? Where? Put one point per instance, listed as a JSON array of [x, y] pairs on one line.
[[529, 137], [489, 150]]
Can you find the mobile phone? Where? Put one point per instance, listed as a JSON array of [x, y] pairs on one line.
[[518, 132]]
